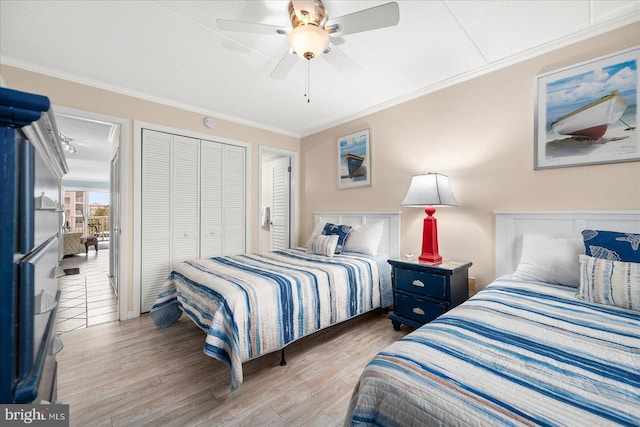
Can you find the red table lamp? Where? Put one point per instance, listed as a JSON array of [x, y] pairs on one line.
[[428, 191]]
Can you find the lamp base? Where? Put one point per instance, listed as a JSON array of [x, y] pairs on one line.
[[434, 258], [430, 238]]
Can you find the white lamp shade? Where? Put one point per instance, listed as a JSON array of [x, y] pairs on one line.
[[431, 189], [308, 41]]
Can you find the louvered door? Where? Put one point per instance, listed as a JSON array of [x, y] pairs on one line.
[[193, 204], [156, 214], [185, 201], [211, 186], [280, 206], [234, 200]]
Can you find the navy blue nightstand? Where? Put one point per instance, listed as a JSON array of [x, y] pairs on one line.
[[424, 291]]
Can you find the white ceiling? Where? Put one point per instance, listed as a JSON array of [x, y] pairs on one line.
[[171, 51], [92, 140]]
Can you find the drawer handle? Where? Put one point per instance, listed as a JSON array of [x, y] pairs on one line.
[[418, 310], [418, 283], [45, 302]]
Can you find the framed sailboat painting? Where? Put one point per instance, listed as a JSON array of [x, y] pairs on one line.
[[587, 113], [354, 160]]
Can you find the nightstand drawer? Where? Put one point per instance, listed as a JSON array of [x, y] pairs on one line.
[[417, 282], [421, 311]]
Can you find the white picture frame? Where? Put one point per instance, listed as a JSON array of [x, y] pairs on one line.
[[354, 160], [573, 106]]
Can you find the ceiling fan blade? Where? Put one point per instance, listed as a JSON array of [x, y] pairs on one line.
[[285, 65], [251, 27], [341, 61], [385, 15]]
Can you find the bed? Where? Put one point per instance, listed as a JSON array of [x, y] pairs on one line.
[[254, 304], [525, 351]]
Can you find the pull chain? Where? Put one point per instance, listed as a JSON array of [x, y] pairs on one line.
[[306, 82]]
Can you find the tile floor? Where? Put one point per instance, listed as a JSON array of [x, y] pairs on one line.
[[87, 298]]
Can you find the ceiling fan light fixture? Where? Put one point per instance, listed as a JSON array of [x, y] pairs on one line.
[[308, 41]]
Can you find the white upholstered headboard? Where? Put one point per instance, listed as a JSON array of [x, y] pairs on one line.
[[390, 244], [510, 225]]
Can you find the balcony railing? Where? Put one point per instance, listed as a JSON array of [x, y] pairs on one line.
[[98, 226]]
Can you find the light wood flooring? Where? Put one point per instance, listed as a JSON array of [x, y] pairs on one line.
[[133, 374]]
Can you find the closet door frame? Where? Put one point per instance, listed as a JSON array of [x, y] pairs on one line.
[[137, 194]]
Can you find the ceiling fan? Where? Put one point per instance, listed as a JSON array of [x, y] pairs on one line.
[[312, 29]]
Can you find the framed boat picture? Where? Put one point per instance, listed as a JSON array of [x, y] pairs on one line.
[[354, 160], [587, 113]]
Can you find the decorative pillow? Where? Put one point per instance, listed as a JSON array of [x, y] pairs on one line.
[[612, 245], [317, 230], [365, 239], [322, 245], [545, 259], [342, 231], [610, 282]]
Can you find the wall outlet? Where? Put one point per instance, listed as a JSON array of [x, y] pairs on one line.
[[472, 285]]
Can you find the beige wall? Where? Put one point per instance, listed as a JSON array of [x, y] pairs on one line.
[[87, 98], [480, 133]]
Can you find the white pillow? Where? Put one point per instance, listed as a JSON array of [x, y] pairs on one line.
[[316, 230], [545, 259], [323, 245], [364, 238]]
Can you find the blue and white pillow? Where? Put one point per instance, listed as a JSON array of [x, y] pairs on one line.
[[342, 231], [317, 230], [610, 282], [612, 245], [322, 245]]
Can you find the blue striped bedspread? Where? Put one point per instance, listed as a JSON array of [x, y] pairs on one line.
[[254, 304], [515, 354]]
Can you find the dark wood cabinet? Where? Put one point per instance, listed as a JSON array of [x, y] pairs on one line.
[[424, 291]]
